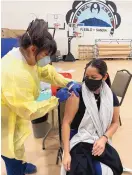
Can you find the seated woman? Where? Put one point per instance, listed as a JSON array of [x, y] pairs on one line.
[[89, 123]]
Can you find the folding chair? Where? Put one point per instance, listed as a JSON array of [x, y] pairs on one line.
[[120, 84], [119, 87]]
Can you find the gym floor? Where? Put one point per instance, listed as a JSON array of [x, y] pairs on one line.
[[45, 159]]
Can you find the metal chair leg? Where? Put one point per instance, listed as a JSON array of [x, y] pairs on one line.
[[59, 155], [61, 150], [120, 121], [57, 160], [43, 144], [49, 130]]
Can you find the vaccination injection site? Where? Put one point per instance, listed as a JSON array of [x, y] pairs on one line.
[[66, 87]]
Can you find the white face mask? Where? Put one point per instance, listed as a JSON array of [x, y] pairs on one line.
[[44, 61]]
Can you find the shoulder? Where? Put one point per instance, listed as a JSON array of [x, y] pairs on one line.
[[115, 100]]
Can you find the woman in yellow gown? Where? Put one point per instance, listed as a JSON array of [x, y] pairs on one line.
[[22, 70]]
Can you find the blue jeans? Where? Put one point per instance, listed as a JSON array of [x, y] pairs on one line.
[[13, 166]]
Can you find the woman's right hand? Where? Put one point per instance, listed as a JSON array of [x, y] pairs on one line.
[[67, 161]]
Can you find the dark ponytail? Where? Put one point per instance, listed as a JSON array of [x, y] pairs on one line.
[[101, 66], [37, 34], [108, 81]]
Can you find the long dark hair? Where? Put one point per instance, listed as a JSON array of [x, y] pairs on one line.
[[102, 68], [37, 34]]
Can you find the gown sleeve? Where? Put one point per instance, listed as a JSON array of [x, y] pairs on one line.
[[50, 75], [17, 92]]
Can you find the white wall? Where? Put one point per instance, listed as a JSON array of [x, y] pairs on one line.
[[17, 15]]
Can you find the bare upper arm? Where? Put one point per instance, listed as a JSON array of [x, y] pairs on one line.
[[71, 108]]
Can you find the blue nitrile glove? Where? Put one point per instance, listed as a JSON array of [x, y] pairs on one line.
[[63, 94], [74, 87]]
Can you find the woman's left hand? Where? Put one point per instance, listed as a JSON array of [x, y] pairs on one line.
[[63, 94], [99, 146]]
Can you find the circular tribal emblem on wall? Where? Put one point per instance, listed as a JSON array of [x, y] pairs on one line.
[[95, 15]]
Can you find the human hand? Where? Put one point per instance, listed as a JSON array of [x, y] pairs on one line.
[[99, 146], [74, 87], [63, 94], [67, 161]]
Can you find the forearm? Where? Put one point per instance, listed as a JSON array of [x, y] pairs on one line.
[[50, 75], [66, 137], [112, 129], [32, 109]]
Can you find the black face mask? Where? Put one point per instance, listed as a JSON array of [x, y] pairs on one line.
[[91, 84]]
